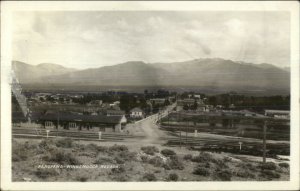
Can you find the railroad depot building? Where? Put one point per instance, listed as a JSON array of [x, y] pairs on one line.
[[75, 121]]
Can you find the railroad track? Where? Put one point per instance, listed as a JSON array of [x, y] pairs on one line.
[[79, 135], [230, 142]]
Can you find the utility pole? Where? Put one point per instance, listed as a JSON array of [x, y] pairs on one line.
[[180, 138], [264, 141], [186, 127]]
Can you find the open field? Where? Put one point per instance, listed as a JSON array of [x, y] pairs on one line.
[[129, 162]]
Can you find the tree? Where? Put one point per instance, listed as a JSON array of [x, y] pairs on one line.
[[185, 107]]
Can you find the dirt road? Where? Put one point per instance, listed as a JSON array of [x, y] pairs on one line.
[[149, 129]]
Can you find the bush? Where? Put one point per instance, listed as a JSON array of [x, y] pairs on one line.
[[82, 178], [268, 166], [269, 174], [118, 148], [19, 153], [167, 152], [173, 177], [119, 160], [149, 177], [64, 143], [156, 161], [174, 163], [245, 174], [45, 173], [201, 171], [46, 144], [188, 157], [104, 160], [144, 158], [92, 147], [284, 165], [118, 170], [203, 157], [61, 157], [127, 156], [224, 175], [150, 150]]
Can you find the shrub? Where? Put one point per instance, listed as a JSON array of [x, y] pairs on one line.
[[188, 157], [119, 160], [118, 170], [173, 177], [203, 157], [121, 178], [64, 143], [224, 175], [167, 152], [104, 160], [61, 157], [102, 149], [19, 153], [92, 147], [118, 148], [156, 161], [45, 173], [201, 171], [126, 155], [284, 165], [149, 177], [268, 166], [150, 150], [82, 178], [245, 174], [174, 163], [269, 174], [144, 158], [46, 144]]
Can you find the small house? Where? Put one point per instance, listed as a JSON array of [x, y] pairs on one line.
[[136, 113]]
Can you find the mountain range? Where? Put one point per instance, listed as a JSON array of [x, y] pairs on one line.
[[209, 72]]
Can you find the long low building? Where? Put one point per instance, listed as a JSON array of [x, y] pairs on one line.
[[284, 114], [72, 121], [83, 122]]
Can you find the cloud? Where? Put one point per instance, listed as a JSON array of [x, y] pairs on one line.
[[94, 39]]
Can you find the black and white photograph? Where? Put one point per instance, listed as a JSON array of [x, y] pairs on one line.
[[147, 94]]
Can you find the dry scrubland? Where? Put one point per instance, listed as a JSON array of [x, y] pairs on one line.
[[144, 163]]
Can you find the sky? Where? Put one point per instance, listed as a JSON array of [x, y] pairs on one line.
[[91, 39]]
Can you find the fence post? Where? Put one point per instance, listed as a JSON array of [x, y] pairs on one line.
[[100, 135], [240, 143], [47, 131]]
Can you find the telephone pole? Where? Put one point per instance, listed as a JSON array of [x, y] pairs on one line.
[[264, 141]]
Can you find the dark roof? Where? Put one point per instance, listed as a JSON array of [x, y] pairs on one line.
[[18, 116], [136, 109], [63, 116], [115, 112]]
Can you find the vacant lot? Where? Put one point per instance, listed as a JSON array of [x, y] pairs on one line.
[[31, 160]]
